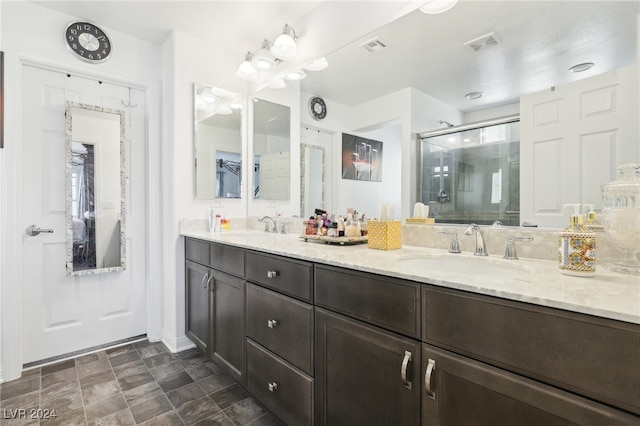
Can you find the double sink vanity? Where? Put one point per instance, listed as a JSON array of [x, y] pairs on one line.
[[337, 335]]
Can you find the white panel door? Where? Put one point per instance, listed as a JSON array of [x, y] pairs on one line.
[[274, 176], [64, 314], [572, 140]]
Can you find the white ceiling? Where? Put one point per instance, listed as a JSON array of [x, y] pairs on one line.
[[540, 41]]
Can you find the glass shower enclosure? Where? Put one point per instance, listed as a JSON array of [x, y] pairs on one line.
[[471, 173]]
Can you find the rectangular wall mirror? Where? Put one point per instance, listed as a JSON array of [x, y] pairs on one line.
[[271, 150], [95, 185], [312, 178], [217, 142]]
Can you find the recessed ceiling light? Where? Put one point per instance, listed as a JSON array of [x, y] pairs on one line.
[[433, 7], [473, 95], [317, 65], [582, 67]]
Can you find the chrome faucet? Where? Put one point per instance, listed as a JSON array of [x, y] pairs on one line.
[[481, 249], [266, 224]]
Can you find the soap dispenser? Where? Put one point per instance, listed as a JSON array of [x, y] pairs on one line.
[[592, 223], [577, 247]]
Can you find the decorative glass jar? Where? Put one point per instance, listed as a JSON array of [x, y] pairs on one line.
[[621, 217]]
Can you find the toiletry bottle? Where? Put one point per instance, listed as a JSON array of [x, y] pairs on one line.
[[577, 247], [592, 223], [212, 218]]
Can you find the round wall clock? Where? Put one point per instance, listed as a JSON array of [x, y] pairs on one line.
[[88, 41], [317, 108]]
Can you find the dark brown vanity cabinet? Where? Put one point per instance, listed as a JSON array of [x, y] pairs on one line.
[[228, 324], [215, 303], [333, 346], [280, 319], [491, 361], [366, 372], [197, 305]]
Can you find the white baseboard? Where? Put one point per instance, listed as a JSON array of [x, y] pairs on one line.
[[177, 344]]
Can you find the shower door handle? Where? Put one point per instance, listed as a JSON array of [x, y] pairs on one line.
[[34, 230]]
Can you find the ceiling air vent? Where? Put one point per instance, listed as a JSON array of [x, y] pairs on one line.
[[373, 46], [483, 42]]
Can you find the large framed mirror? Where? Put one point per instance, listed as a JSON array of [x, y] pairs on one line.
[[271, 150], [480, 46], [95, 189], [217, 142]]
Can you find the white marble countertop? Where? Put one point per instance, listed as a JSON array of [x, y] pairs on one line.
[[608, 294]]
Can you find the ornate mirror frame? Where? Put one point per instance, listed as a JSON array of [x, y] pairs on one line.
[[96, 239]]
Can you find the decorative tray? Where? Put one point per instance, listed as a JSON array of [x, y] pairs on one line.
[[336, 240], [421, 220]]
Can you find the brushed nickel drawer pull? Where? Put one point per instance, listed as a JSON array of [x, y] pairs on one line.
[[427, 378], [272, 323], [403, 370], [272, 274], [273, 386], [210, 283]]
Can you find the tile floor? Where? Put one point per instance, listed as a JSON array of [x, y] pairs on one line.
[[136, 384]]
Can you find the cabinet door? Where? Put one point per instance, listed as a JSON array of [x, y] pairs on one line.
[[364, 375], [458, 391], [228, 324], [198, 280]]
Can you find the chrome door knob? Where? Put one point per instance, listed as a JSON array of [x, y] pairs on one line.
[[34, 230]]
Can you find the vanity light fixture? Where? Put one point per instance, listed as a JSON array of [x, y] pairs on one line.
[[278, 84], [433, 7], [582, 67], [317, 65], [473, 95], [296, 75], [284, 47], [246, 71], [263, 59]]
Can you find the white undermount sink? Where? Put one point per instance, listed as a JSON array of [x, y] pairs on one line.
[[464, 264]]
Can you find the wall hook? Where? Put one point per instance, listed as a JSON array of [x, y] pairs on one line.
[[129, 104]]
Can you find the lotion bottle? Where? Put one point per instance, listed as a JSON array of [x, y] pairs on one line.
[[592, 223], [577, 247]]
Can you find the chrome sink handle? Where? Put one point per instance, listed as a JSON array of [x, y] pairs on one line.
[[510, 252], [454, 246]]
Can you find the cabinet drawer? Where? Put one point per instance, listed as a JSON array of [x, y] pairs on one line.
[[281, 324], [387, 302], [587, 355], [197, 251], [227, 259], [284, 275], [284, 390]]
